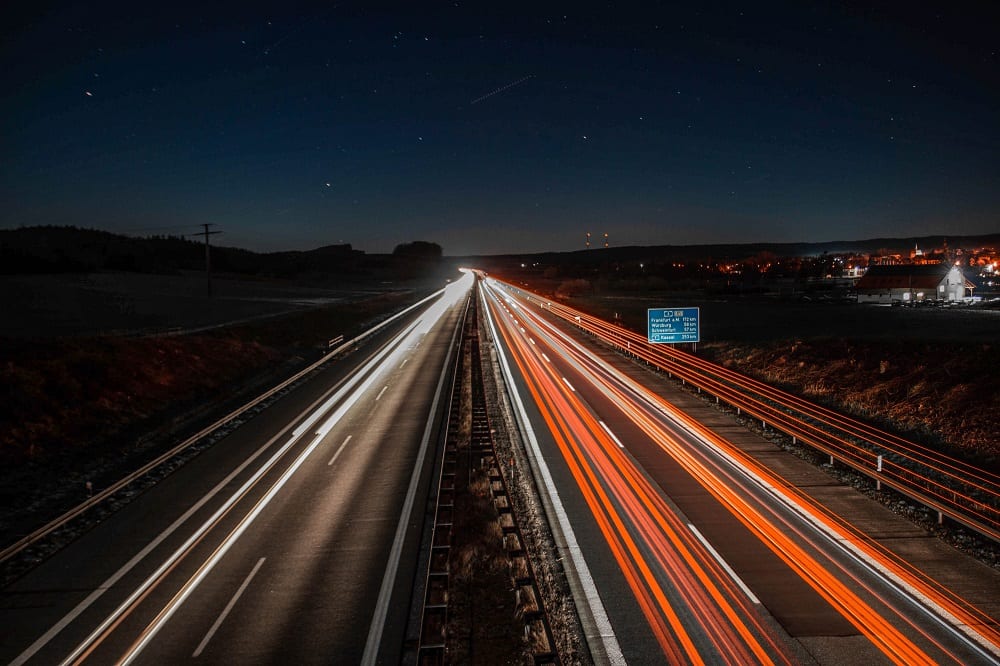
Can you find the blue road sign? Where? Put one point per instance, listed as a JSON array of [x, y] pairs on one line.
[[674, 325]]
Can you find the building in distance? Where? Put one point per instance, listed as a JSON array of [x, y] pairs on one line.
[[909, 284]]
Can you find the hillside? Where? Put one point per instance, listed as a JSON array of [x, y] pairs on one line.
[[39, 250], [732, 251], [83, 409], [929, 373], [942, 393]]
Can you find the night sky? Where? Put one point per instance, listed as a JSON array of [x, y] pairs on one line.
[[502, 126]]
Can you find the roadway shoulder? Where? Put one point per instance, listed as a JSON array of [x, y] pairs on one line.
[[976, 582]]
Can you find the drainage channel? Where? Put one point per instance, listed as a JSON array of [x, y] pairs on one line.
[[469, 480]]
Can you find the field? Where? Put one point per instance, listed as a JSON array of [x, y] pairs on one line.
[[89, 304], [931, 373], [77, 407], [762, 320]]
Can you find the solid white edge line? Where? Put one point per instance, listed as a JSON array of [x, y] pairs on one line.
[[385, 592], [971, 637], [55, 629], [598, 628], [339, 449], [228, 608], [311, 420], [725, 565], [192, 584], [153, 629], [611, 434]]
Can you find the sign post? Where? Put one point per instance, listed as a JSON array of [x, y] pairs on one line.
[[672, 325]]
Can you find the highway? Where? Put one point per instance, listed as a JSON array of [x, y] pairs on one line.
[[297, 536], [682, 548], [293, 539], [956, 489]]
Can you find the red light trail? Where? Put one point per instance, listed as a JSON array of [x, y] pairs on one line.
[[663, 560]]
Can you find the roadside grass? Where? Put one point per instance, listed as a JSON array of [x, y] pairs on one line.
[[93, 408]]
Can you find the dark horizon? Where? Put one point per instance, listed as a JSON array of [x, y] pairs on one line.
[[24, 241]]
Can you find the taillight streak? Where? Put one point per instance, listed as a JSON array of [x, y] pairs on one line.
[[965, 489], [595, 462], [958, 612], [865, 618]]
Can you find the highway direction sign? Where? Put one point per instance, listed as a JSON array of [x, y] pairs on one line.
[[674, 325]]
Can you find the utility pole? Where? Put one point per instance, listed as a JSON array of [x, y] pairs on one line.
[[208, 254]]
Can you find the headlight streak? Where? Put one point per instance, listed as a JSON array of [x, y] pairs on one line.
[[912, 584], [732, 628], [206, 567], [112, 621], [348, 395], [942, 605]]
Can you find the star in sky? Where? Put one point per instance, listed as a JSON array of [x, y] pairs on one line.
[[525, 120]]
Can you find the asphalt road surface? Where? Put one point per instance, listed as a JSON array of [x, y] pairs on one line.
[[681, 547], [293, 540]]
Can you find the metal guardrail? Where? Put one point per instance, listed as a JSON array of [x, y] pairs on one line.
[[432, 649], [961, 495], [102, 495]]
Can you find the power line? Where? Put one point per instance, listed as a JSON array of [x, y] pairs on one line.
[[208, 255]]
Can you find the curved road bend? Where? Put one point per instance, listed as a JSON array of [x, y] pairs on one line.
[[292, 540]]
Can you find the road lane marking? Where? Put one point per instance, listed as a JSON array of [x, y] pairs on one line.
[[611, 435], [929, 607], [531, 340], [724, 564], [343, 393], [569, 385], [385, 592], [339, 449], [228, 608], [141, 555], [598, 632], [379, 396], [393, 348], [178, 600], [546, 358], [405, 361], [107, 492], [192, 584]]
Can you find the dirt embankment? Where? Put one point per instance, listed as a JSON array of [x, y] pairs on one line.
[[942, 392], [66, 399], [62, 397], [930, 373]]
